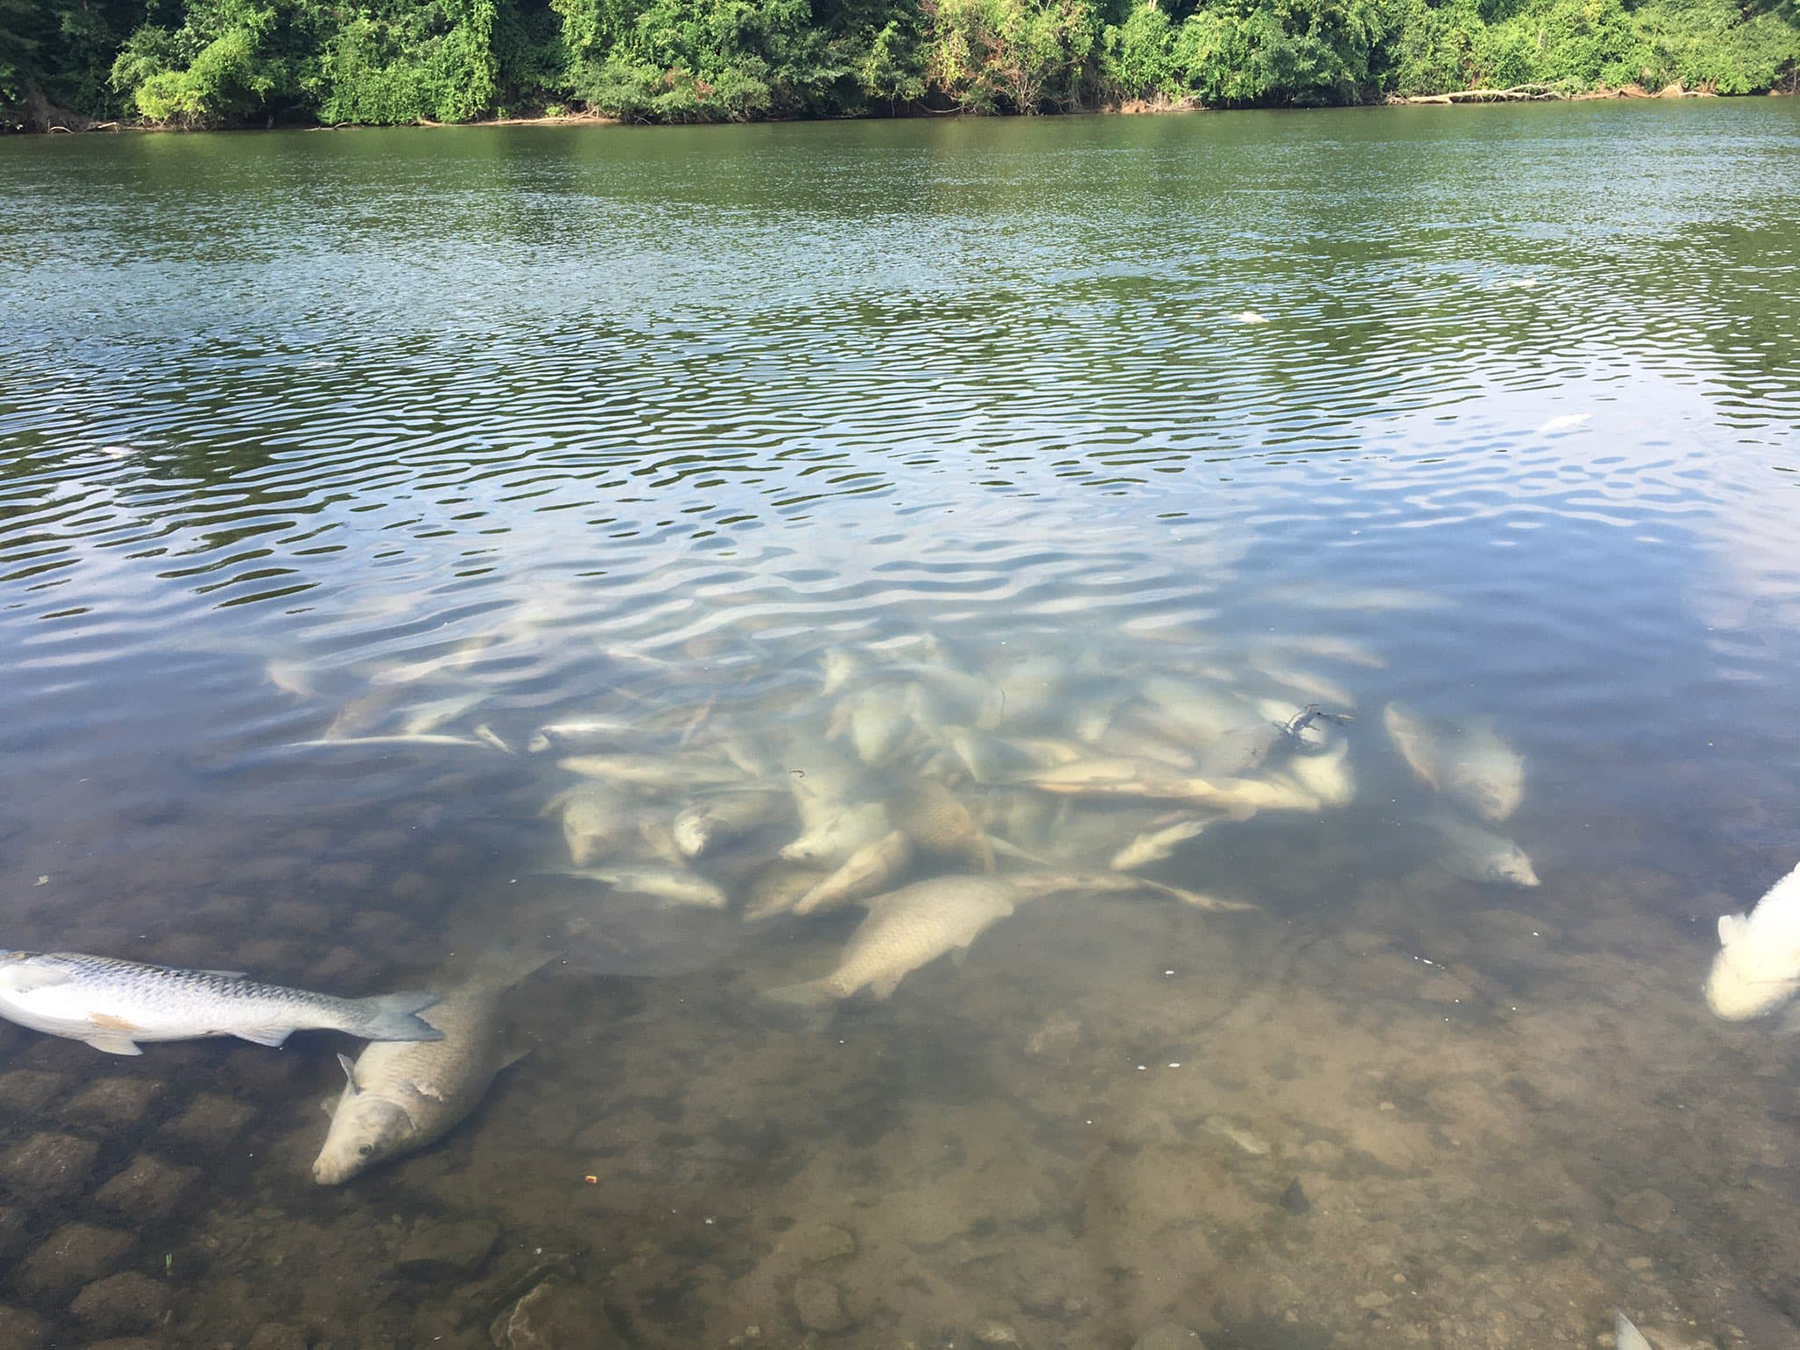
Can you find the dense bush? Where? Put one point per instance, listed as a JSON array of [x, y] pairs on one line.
[[232, 62]]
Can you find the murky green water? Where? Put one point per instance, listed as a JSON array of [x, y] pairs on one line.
[[821, 461]]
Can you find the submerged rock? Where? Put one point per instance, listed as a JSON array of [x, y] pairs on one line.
[[1646, 1210], [1294, 1200], [21, 1330], [556, 1315], [125, 1302], [445, 1250], [74, 1254], [112, 1101], [50, 1164], [148, 1188], [819, 1304]]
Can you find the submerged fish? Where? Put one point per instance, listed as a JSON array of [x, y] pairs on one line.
[[941, 825], [1155, 845], [594, 733], [842, 665], [1478, 854], [593, 817], [657, 772], [833, 842], [1758, 965], [706, 825], [776, 888], [423, 738], [871, 870], [400, 1097], [671, 885], [291, 677], [1475, 767], [910, 928], [427, 717], [1626, 1336], [113, 1004]]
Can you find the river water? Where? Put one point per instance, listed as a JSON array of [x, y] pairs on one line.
[[967, 449]]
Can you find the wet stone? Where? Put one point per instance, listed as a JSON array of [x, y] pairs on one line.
[[819, 1304], [1169, 1336], [50, 1164], [148, 1188], [112, 1101], [21, 1330], [557, 1315], [74, 1255], [125, 1302], [211, 1119], [444, 1250], [1646, 1210], [24, 1092]]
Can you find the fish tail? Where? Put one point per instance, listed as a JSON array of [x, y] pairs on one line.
[[806, 994], [394, 1017]]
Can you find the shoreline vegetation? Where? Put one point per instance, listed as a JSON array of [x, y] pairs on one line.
[[74, 65]]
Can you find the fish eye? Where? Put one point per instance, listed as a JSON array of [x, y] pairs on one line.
[[365, 1150]]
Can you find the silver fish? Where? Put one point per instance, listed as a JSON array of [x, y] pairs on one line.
[[1476, 854], [593, 817], [706, 825], [1155, 845], [400, 1097], [1475, 766], [871, 870], [113, 1004], [593, 733], [833, 842], [657, 772], [910, 928], [671, 885]]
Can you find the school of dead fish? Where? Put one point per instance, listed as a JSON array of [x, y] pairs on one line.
[[940, 795]]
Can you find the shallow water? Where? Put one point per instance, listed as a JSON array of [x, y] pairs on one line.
[[644, 424]]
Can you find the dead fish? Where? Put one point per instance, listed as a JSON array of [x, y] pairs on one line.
[[940, 825], [1325, 775], [671, 885], [1474, 767], [777, 888], [591, 733], [1626, 1336], [1477, 854], [832, 843], [422, 718], [1039, 884], [1155, 845], [410, 672], [593, 817], [707, 825], [1240, 750], [1028, 690], [658, 772], [1208, 711], [877, 723], [911, 928], [1758, 965], [487, 736], [400, 1097], [1309, 685], [427, 738], [872, 870], [824, 781], [842, 667]]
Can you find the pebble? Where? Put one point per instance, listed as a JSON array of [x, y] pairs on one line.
[[74, 1254], [1647, 1210], [211, 1119], [148, 1188], [124, 1302], [820, 1304], [446, 1250], [21, 1330], [1169, 1336], [50, 1164], [1294, 1200], [556, 1315], [113, 1101]]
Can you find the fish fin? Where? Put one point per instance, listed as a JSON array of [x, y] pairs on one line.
[[512, 1057], [1199, 901], [1010, 850], [349, 1067], [113, 1043], [1626, 1336], [1731, 928], [807, 994], [486, 734], [225, 974], [270, 1036], [394, 1017], [329, 1105]]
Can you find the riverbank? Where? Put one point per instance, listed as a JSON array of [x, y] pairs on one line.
[[75, 123]]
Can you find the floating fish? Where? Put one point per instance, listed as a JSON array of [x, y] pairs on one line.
[[1758, 965], [592, 733], [114, 1005], [401, 1097], [910, 928]]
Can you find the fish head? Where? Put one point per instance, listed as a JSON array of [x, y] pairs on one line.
[[366, 1130], [12, 962], [692, 832], [1514, 868]]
